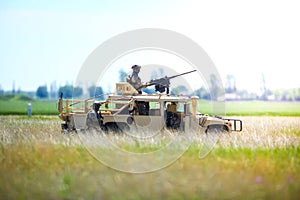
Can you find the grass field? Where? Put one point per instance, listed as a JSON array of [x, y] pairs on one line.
[[255, 108], [17, 107], [261, 162], [262, 108], [237, 108]]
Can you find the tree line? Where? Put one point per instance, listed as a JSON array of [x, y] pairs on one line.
[[279, 95], [230, 90], [68, 91]]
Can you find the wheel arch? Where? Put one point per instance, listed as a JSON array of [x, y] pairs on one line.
[[222, 127]]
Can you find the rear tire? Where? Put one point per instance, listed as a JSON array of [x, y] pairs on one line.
[[116, 127]]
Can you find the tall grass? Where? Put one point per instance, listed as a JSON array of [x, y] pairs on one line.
[[262, 162], [264, 132]]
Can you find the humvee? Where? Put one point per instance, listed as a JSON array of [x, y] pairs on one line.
[[127, 110]]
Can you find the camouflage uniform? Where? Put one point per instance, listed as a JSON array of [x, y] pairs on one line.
[[134, 78]]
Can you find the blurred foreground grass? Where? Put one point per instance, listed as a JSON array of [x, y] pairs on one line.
[[262, 162]]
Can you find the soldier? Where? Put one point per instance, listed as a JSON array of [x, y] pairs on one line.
[[172, 107], [134, 78], [173, 119]]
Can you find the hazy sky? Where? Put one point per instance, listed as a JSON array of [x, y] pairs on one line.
[[45, 41]]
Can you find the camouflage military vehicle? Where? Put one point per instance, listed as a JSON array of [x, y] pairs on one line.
[[127, 110]]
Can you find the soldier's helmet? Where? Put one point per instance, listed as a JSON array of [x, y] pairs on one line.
[[135, 67]]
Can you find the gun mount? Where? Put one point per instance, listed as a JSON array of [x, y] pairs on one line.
[[163, 84]]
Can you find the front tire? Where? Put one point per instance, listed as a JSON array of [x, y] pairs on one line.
[[216, 129]]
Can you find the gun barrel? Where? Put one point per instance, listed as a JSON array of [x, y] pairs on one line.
[[164, 80], [181, 74]]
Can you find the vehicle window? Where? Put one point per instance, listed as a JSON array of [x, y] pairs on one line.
[[154, 108], [142, 107], [180, 107]]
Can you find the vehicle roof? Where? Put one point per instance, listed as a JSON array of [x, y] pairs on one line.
[[153, 97]]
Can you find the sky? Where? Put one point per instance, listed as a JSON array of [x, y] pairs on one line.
[[46, 41]]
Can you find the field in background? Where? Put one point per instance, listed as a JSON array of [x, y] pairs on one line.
[[237, 108], [254, 108], [262, 162], [19, 107]]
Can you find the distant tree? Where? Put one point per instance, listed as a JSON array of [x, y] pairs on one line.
[[181, 89], [53, 90], [230, 84], [77, 91], [202, 93], [42, 92], [277, 94], [1, 90], [245, 95], [13, 88], [122, 75], [297, 91], [215, 89], [92, 90], [95, 91], [19, 91], [263, 88], [69, 91], [287, 94]]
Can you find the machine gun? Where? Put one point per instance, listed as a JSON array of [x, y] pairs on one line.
[[162, 84]]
